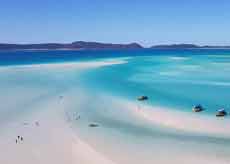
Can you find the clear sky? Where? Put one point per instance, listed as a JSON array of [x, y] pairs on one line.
[[119, 21]]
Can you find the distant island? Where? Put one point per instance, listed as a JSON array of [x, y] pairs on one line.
[[82, 45], [187, 46], [71, 46], [175, 46]]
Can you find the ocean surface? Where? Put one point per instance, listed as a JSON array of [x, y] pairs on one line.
[[175, 80], [178, 79]]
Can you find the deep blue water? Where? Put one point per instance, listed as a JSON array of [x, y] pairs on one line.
[[173, 78], [31, 57]]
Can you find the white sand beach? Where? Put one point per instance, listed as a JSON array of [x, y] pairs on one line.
[[45, 117], [184, 121], [47, 136], [52, 141], [67, 65]]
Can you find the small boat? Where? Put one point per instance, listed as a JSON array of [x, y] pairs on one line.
[[221, 113], [93, 125], [142, 98], [197, 108]]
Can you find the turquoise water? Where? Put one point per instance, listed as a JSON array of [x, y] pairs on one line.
[[171, 81], [177, 79], [33, 57]]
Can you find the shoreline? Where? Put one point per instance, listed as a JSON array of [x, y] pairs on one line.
[[180, 120], [47, 139], [66, 64], [133, 128], [55, 141], [152, 129]]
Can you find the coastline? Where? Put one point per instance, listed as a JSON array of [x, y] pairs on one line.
[[184, 121], [47, 137], [153, 130], [78, 65], [50, 141], [54, 141], [133, 130]]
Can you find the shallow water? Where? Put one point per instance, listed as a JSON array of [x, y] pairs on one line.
[[175, 82], [174, 79]]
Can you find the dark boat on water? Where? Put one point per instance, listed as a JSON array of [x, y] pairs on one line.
[[221, 113], [142, 98], [197, 108], [93, 125]]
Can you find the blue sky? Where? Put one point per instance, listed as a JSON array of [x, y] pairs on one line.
[[119, 21]]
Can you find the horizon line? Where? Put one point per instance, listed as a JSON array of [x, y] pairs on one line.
[[127, 43]]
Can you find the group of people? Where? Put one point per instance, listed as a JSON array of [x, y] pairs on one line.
[[19, 139]]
